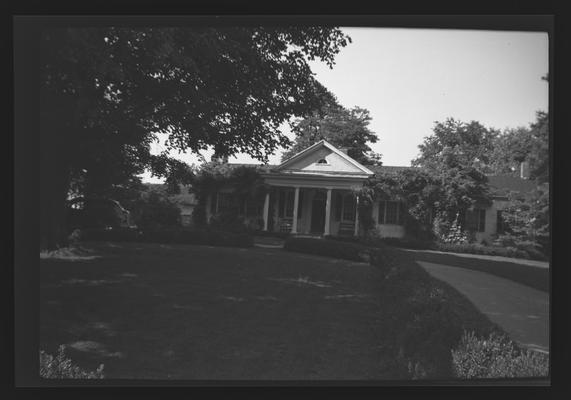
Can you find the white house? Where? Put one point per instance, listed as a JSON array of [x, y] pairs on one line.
[[313, 192]]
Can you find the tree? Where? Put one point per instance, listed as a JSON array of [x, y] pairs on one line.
[[523, 144], [105, 91], [456, 144], [458, 156], [343, 128]]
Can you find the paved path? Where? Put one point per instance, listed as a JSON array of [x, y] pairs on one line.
[[519, 261], [521, 311]]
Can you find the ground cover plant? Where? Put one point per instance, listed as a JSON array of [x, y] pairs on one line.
[[63, 367]]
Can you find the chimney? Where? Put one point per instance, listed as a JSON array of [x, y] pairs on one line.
[[524, 170]]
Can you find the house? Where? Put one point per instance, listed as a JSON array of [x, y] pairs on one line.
[[314, 192], [311, 193]]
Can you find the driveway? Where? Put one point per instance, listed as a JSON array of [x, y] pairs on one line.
[[521, 311], [153, 311]]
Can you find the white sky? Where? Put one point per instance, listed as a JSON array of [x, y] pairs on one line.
[[410, 78]]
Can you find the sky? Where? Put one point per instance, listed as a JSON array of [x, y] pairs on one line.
[[410, 78]]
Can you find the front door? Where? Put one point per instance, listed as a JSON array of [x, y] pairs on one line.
[[318, 213]]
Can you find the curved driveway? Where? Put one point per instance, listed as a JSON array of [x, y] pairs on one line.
[[521, 311]]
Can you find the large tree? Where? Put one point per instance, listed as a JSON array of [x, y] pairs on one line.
[[458, 156], [524, 144], [105, 91], [342, 127]]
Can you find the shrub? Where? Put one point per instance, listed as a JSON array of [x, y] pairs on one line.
[[474, 248], [157, 211], [63, 368], [426, 317], [346, 251], [496, 357], [228, 221]]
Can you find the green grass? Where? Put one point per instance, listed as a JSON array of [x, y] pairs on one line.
[[159, 311]]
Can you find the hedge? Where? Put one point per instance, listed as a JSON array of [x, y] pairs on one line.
[[469, 248], [345, 251], [429, 321], [170, 236]]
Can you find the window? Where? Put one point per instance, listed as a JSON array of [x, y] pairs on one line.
[[390, 213], [322, 161], [476, 220]]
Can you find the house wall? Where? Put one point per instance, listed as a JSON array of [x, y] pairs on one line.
[[491, 227], [386, 230]]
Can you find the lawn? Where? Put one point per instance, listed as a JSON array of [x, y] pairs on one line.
[[154, 311]]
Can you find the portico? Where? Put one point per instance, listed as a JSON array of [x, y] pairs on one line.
[[314, 192]]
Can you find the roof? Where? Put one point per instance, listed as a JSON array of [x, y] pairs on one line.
[[502, 185], [324, 143]]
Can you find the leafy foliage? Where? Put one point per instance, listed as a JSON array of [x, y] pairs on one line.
[[523, 144], [527, 221], [458, 156], [61, 367], [496, 357], [343, 128], [244, 181], [156, 210], [105, 91]]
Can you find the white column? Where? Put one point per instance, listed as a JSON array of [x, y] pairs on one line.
[[295, 207], [266, 210], [327, 230], [357, 216]]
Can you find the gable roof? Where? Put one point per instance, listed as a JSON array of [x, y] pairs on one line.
[[314, 148], [502, 185]]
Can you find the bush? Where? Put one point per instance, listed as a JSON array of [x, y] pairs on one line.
[[63, 368], [474, 248], [425, 317], [346, 251], [496, 357], [157, 211]]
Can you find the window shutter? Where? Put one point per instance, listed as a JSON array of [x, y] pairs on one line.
[[482, 220]]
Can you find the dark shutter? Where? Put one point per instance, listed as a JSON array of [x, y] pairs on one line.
[[482, 220], [382, 205]]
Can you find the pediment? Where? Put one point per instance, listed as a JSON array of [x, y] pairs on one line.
[[323, 158]]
